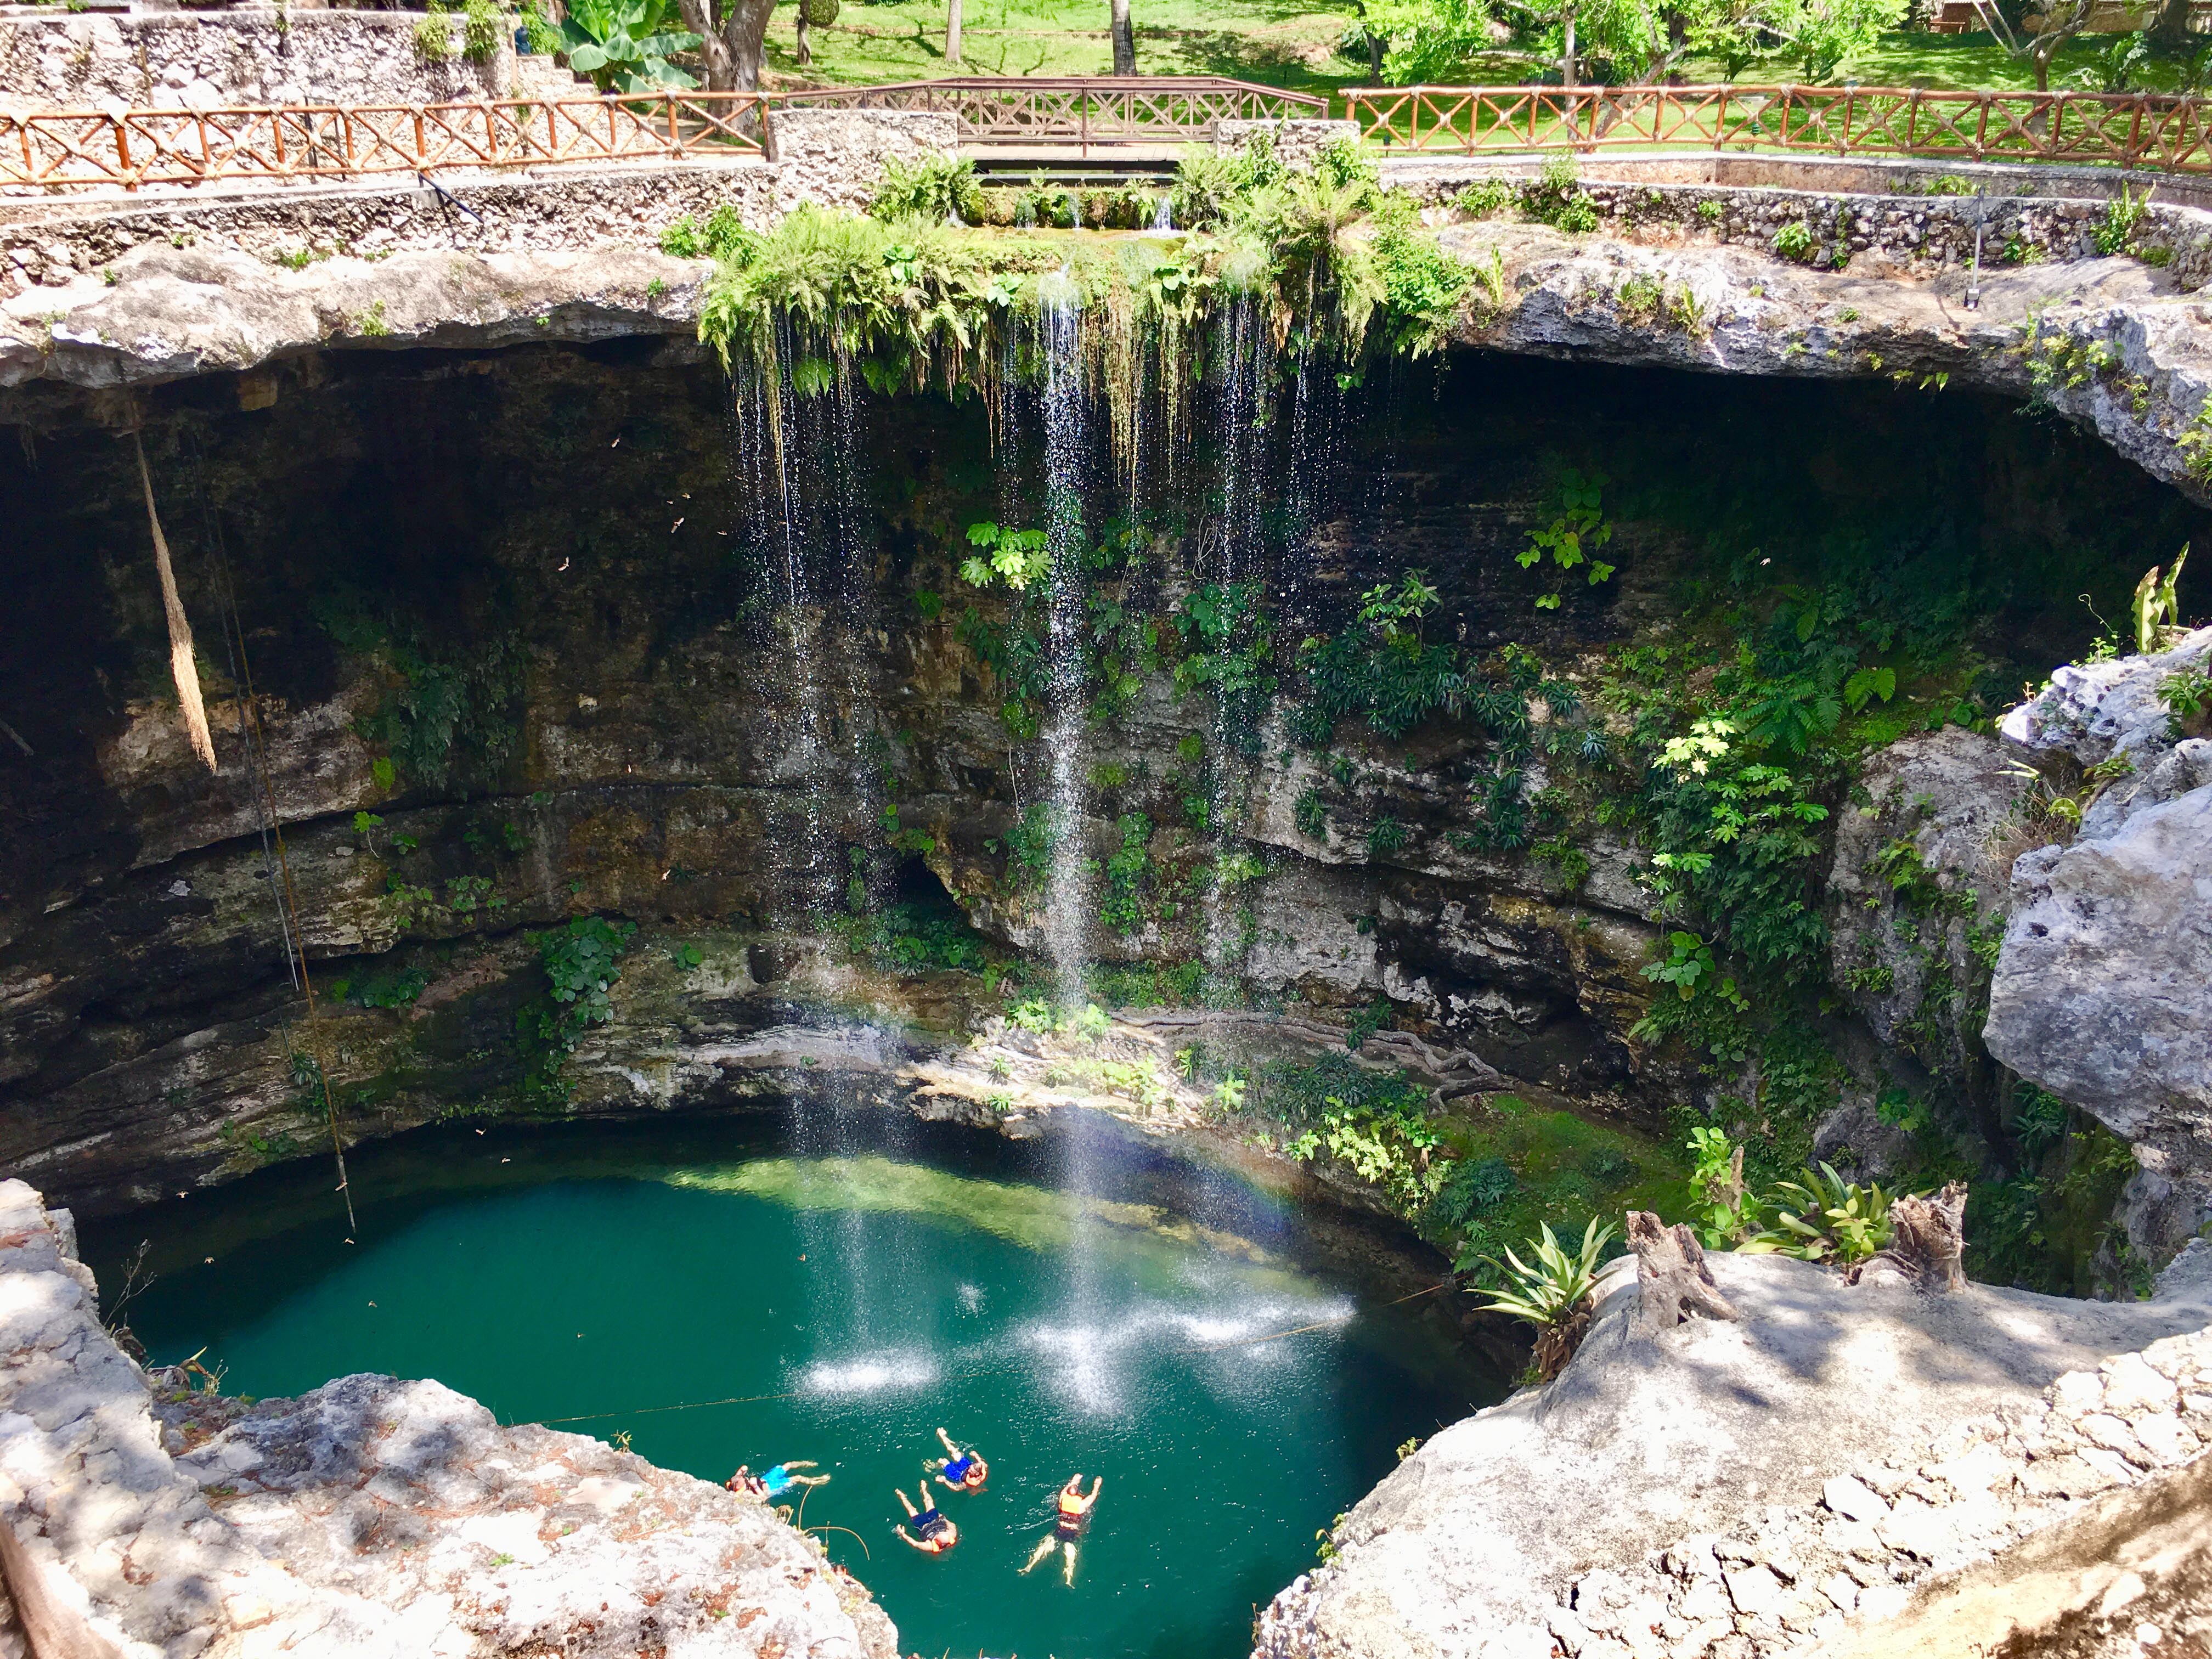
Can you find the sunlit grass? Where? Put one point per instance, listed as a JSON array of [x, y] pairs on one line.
[[1568, 1169], [1291, 44], [1282, 43]]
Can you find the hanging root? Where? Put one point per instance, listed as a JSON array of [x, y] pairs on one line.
[[181, 664]]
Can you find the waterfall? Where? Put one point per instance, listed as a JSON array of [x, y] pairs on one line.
[[799, 458], [1243, 407], [1163, 213], [768, 454], [1316, 407], [1067, 894]]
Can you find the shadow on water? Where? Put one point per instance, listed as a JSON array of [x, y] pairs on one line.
[[843, 1294]]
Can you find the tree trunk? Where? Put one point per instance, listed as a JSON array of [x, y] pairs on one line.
[[803, 50], [1375, 43], [1673, 1282], [1567, 51], [1125, 39], [2171, 30], [952, 31], [730, 44], [1928, 1239]]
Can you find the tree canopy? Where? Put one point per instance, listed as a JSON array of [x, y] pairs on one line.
[[1620, 42]]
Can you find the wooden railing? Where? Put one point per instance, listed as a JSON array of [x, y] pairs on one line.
[[1083, 110], [143, 147], [2128, 129]]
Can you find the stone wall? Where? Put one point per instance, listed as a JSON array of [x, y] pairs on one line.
[[1787, 1580], [1919, 231], [1297, 141], [209, 60]]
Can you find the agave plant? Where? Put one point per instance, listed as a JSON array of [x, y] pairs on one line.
[[1823, 1217], [624, 45], [1550, 1292]]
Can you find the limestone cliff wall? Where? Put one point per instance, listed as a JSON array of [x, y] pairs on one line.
[[2100, 993], [569, 511]]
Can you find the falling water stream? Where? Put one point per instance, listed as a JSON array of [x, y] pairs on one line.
[[800, 454], [1066, 452]]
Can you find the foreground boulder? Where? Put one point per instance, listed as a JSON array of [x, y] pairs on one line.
[[372, 1518], [1758, 1483]]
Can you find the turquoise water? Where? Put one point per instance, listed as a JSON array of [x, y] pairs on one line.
[[869, 1298]]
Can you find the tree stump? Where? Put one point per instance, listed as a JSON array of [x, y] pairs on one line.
[[1673, 1282], [1928, 1237]]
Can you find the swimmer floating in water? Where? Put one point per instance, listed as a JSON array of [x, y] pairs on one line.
[[964, 1471], [1070, 1523], [933, 1533], [778, 1482]]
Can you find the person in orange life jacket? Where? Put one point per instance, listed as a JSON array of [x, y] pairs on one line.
[[1071, 1520], [933, 1533], [962, 1471]]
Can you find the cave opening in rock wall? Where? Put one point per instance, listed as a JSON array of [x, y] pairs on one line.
[[830, 912]]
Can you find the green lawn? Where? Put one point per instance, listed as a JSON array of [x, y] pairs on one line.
[[1289, 43], [1278, 43]]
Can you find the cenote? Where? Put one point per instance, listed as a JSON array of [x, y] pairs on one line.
[[691, 775], [846, 1303]]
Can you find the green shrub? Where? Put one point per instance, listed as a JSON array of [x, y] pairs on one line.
[[1122, 904], [625, 46], [1820, 1217], [483, 28], [544, 34], [723, 236], [581, 964], [1472, 1187], [433, 34], [1487, 196], [1794, 241], [2116, 232], [2187, 694], [932, 187], [1558, 200]]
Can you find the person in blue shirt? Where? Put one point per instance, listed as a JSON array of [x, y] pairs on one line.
[[962, 1469], [779, 1483]]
